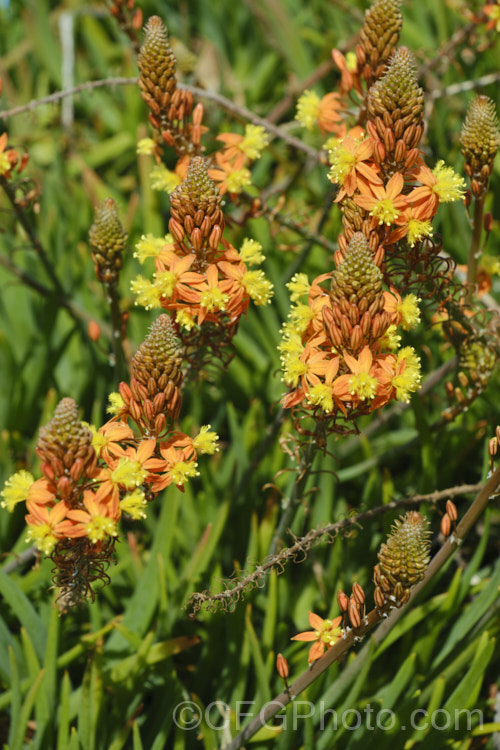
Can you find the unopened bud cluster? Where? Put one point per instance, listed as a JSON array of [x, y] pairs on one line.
[[108, 240], [403, 560]]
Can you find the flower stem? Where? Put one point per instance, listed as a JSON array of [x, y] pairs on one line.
[[298, 488], [475, 248]]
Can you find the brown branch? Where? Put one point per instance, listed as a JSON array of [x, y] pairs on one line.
[[225, 103], [372, 618], [277, 561]]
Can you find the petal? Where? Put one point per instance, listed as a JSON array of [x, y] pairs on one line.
[[395, 185], [316, 651], [308, 635], [315, 621]]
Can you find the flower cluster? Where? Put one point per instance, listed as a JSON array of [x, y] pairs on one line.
[[199, 276], [341, 354], [340, 347], [173, 115], [92, 477], [231, 173]]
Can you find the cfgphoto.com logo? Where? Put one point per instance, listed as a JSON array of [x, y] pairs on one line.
[[188, 715]]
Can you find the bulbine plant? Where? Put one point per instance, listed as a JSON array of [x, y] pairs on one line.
[[368, 323]]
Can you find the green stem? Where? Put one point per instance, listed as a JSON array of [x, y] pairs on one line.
[[475, 248], [297, 493]]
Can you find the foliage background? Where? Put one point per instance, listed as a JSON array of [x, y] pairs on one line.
[[109, 675]]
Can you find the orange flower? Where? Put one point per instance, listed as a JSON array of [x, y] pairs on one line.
[[173, 275], [42, 492], [362, 384], [107, 440], [97, 522], [230, 176], [46, 525], [348, 158], [129, 471], [348, 67], [177, 464], [325, 634], [328, 113], [383, 203], [209, 297]]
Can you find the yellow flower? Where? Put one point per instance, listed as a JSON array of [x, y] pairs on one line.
[[134, 504], [146, 293], [145, 146], [449, 185], [409, 310], [129, 474], [206, 441], [407, 381], [16, 489], [163, 179], [417, 230], [254, 141], [214, 299], [99, 527], [149, 246], [183, 318], [251, 252], [300, 317], [308, 109], [299, 286], [181, 471], [237, 180], [258, 288], [321, 395], [115, 403]]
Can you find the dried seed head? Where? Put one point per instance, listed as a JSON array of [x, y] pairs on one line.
[[404, 558], [378, 38], [108, 240], [480, 139], [64, 440]]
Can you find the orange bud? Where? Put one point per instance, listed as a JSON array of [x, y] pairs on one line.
[[488, 221], [463, 379], [379, 598], [64, 487], [176, 230], [445, 525], [354, 614], [358, 593], [93, 331], [160, 423], [282, 666], [451, 510], [342, 600], [137, 19]]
